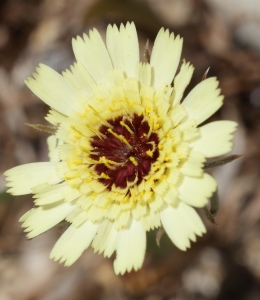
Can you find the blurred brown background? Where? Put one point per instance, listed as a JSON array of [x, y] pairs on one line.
[[222, 35]]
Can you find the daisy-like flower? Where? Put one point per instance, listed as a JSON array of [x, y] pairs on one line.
[[127, 156]]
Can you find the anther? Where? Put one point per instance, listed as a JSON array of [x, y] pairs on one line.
[[133, 160], [126, 126], [120, 137], [97, 114]]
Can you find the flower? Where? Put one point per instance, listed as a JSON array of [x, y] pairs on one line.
[[127, 155]]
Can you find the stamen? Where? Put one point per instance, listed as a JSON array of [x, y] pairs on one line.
[[77, 131], [108, 162], [88, 180], [75, 162], [127, 127], [97, 114], [133, 160], [149, 153], [147, 110], [156, 126], [97, 132], [120, 137], [103, 175]]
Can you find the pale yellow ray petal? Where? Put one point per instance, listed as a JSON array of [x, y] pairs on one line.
[[123, 47], [194, 164], [192, 219], [105, 240], [48, 194], [130, 249], [92, 53], [181, 224], [181, 81], [124, 218], [55, 118], [79, 79], [165, 57], [53, 146], [145, 74], [196, 191], [39, 220], [73, 242], [173, 224], [215, 138], [23, 178], [171, 196], [52, 89], [151, 221], [203, 100]]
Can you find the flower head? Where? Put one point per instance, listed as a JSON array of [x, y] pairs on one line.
[[127, 155]]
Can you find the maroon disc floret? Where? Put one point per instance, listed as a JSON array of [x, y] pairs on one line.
[[126, 162]]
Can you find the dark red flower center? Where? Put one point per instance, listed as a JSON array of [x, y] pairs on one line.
[[124, 151]]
